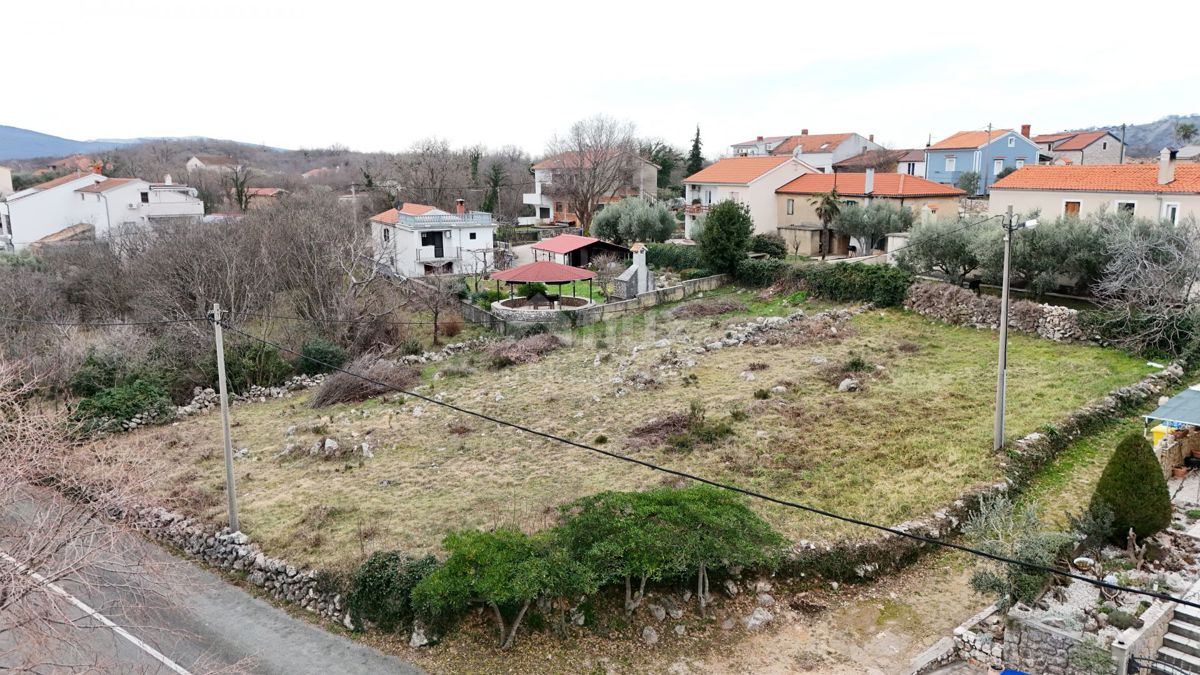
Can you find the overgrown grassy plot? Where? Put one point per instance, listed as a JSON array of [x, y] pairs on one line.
[[916, 435]]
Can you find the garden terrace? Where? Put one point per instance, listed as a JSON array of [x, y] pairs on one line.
[[769, 416]]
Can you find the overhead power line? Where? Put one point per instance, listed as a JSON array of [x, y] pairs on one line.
[[733, 488], [99, 324]]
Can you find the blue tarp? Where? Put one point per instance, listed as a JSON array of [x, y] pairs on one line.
[[1182, 408]]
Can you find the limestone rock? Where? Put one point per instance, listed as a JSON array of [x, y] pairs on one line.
[[649, 635], [758, 618]]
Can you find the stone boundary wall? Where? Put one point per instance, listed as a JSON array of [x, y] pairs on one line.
[[959, 306], [1034, 647], [873, 557]]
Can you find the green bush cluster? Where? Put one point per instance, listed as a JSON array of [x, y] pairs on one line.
[[695, 273], [249, 363], [673, 256], [529, 290], [121, 402], [1173, 336], [882, 285], [771, 244], [318, 355], [760, 271], [486, 297], [607, 538]]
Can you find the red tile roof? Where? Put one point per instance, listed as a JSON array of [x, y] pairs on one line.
[[1081, 140], [871, 159], [1050, 138], [915, 155], [853, 185], [63, 180], [810, 143], [392, 216], [106, 185], [1102, 178], [545, 272], [967, 139], [736, 170], [564, 243], [216, 160], [574, 160], [265, 191]]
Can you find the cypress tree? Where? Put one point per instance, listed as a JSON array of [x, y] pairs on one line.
[[695, 160], [1133, 486]]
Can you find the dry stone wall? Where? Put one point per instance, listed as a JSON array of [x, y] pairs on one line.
[[959, 306]]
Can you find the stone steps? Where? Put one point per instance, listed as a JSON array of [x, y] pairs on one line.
[[1184, 629], [1186, 614], [1182, 644], [1181, 660]]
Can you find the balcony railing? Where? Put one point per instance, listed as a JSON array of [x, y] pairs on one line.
[[448, 220], [696, 209], [439, 253]]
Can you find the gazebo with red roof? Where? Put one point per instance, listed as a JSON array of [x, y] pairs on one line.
[[545, 272]]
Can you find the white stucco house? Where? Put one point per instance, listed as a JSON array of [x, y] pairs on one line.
[[418, 240], [551, 206], [211, 163], [6, 187], [107, 204], [820, 151], [747, 180]]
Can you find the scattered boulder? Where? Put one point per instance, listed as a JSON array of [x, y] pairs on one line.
[[758, 618], [849, 384], [649, 635], [420, 637]]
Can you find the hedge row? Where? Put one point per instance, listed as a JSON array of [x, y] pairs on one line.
[[883, 285]]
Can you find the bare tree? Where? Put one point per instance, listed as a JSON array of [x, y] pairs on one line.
[[596, 158], [607, 267], [436, 295], [238, 180]]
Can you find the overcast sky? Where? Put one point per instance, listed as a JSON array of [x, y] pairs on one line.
[[377, 76]]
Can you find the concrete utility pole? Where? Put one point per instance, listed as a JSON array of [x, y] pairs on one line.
[[1122, 145], [230, 488], [1010, 225]]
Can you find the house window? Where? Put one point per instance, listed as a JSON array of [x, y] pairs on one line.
[[1012, 141], [708, 196], [1104, 145], [951, 164], [1126, 207], [1020, 163], [145, 197], [471, 235], [911, 169], [1071, 208], [82, 196], [791, 207], [1171, 213], [387, 234], [997, 166]]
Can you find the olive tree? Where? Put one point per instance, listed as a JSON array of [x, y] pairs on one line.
[[633, 219], [868, 224], [999, 528], [948, 247]]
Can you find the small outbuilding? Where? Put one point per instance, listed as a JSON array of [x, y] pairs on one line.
[[575, 250], [547, 273]]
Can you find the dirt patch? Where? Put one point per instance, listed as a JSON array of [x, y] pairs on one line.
[[709, 307], [811, 330]]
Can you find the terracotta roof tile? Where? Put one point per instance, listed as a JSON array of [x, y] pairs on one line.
[[106, 185], [914, 155], [1102, 178], [543, 271], [853, 184], [63, 180], [737, 170], [265, 191], [810, 143], [564, 243], [1050, 138], [216, 160], [1081, 141], [871, 159], [392, 216], [967, 139]]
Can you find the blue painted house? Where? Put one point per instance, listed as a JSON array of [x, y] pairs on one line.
[[986, 153]]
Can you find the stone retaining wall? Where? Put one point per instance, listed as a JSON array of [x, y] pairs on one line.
[[1034, 647], [961, 307]]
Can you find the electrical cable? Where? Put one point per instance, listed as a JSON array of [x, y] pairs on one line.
[[99, 324], [733, 488]]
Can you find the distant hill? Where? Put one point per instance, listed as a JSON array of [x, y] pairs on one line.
[[16, 143], [1146, 140]]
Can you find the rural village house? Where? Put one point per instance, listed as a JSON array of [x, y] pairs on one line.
[[747, 180], [264, 196], [912, 162], [986, 153], [211, 163], [1080, 147], [820, 151], [91, 198], [6, 186], [801, 228], [575, 250], [418, 240], [550, 205], [1167, 190]]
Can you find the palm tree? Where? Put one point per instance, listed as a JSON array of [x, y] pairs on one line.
[[1185, 131], [827, 205]]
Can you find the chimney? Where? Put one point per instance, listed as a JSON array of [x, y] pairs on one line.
[[460, 206], [871, 137], [760, 138], [869, 182], [1025, 130], [1166, 166], [167, 179], [804, 132]]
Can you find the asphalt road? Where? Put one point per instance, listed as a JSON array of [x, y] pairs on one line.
[[176, 617]]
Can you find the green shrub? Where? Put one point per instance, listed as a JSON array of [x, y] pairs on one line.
[[762, 394], [882, 285], [485, 298], [1133, 486], [1000, 529], [381, 589], [856, 364], [798, 298], [695, 273], [138, 397], [760, 272], [771, 244], [726, 236], [529, 290], [319, 355], [410, 346], [600, 440], [250, 363], [1171, 336], [97, 372], [673, 256]]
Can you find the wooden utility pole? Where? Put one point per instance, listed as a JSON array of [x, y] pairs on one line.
[[230, 488]]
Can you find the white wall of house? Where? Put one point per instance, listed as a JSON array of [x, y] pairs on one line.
[[466, 247], [1055, 203], [6, 186], [853, 146], [758, 195], [911, 168]]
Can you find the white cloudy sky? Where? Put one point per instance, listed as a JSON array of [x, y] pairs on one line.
[[379, 75]]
